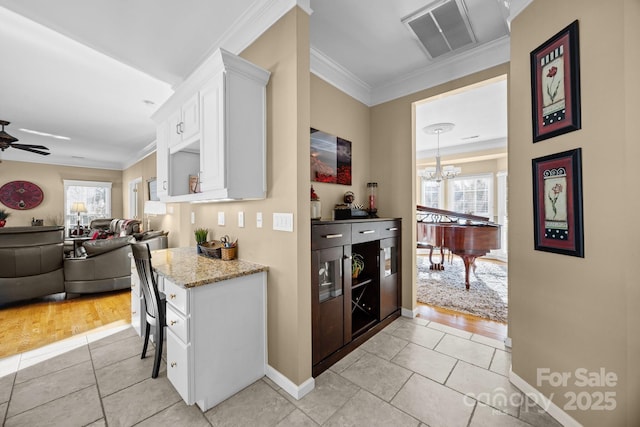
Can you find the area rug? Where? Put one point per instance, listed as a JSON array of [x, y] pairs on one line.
[[487, 294]]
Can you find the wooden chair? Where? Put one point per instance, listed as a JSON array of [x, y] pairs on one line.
[[154, 300]]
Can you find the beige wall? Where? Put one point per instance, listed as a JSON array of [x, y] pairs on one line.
[[50, 179], [566, 312], [145, 169], [393, 160], [283, 50], [334, 112]]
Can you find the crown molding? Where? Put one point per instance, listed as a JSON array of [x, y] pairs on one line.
[[480, 58], [485, 56], [491, 144], [334, 74]]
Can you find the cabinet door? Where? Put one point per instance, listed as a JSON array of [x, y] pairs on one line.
[[389, 276], [174, 131], [212, 147], [190, 118], [162, 160], [329, 314]]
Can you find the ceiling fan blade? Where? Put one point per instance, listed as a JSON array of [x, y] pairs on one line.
[[40, 147], [44, 153]]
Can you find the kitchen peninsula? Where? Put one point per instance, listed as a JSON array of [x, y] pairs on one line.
[[216, 323]]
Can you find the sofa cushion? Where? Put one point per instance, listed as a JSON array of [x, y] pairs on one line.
[[97, 247]]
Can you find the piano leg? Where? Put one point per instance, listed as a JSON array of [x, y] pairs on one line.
[[436, 266], [469, 261]]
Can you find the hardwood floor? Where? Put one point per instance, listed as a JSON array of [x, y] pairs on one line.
[[466, 322], [32, 324]]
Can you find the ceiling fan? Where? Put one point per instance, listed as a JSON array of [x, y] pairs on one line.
[[7, 141]]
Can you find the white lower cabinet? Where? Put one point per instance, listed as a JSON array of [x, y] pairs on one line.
[[178, 366], [216, 337]]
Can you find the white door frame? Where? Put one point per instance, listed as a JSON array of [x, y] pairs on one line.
[[135, 191]]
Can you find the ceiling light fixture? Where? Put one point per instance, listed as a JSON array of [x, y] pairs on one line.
[[439, 172], [50, 135]]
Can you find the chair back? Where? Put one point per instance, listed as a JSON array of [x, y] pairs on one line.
[[142, 257]]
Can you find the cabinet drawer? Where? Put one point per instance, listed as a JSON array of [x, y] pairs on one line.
[[330, 235], [389, 229], [365, 232], [178, 324], [176, 296], [178, 366]]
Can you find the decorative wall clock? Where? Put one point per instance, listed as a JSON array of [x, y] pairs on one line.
[[21, 195]]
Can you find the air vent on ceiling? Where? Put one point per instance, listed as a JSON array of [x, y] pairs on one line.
[[441, 27]]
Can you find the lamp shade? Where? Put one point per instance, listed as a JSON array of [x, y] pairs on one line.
[[152, 207], [78, 207]]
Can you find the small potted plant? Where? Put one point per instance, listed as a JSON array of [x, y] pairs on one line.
[[201, 237], [3, 217]]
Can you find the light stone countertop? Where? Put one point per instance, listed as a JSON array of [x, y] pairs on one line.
[[184, 267]]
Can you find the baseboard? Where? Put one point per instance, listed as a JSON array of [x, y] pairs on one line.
[[296, 391], [551, 408], [409, 313]]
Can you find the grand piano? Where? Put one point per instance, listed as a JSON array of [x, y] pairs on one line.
[[468, 236]]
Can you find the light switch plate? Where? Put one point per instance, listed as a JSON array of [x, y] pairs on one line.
[[193, 217], [259, 220], [220, 218], [241, 219], [283, 222]]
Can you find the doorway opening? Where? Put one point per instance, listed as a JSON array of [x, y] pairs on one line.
[[461, 165]]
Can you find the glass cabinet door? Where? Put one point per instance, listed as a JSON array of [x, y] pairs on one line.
[[329, 279]]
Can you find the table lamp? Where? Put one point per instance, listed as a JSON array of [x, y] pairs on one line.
[[153, 208], [78, 207]]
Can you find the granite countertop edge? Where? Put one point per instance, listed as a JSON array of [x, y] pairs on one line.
[[192, 270]]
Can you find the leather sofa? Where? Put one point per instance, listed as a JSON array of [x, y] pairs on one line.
[[105, 267], [31, 262]]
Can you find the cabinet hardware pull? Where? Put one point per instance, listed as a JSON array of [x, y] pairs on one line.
[[181, 127], [172, 296], [133, 312], [367, 231], [332, 236], [178, 128], [392, 229], [133, 285], [173, 322], [173, 364], [164, 185]]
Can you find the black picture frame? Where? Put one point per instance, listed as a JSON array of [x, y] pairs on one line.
[[555, 85], [557, 203]]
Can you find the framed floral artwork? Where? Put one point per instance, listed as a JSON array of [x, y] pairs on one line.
[[555, 85], [557, 203]]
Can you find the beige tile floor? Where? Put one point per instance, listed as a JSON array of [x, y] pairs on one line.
[[413, 373]]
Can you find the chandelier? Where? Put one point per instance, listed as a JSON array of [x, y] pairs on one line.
[[439, 172]]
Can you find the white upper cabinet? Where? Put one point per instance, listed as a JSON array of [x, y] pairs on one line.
[[212, 133], [184, 123]]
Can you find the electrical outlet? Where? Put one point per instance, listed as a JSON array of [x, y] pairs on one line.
[[241, 219], [220, 218], [259, 220]]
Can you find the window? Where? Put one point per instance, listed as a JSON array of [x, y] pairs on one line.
[[472, 195], [96, 197], [432, 194]]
